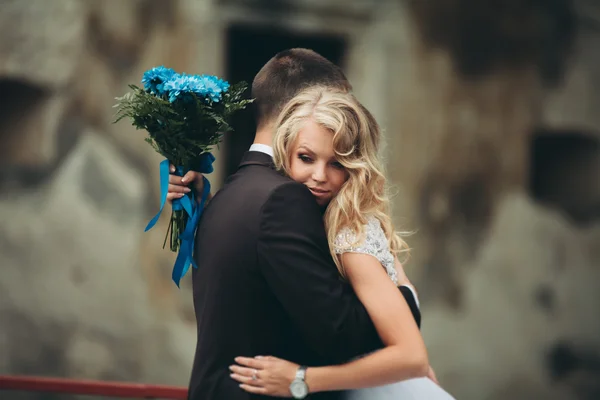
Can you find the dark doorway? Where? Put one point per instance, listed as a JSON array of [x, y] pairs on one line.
[[565, 171], [248, 49]]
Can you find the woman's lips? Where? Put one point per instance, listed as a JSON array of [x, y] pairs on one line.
[[318, 192]]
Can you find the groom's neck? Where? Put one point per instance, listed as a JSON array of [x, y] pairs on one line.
[[264, 135]]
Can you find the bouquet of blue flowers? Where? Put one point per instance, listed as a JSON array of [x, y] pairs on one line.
[[185, 116]]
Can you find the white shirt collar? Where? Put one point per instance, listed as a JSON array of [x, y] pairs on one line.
[[263, 148]]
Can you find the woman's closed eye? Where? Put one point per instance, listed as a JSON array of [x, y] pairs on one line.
[[337, 165], [304, 158]]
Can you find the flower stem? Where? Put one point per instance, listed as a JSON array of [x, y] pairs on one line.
[[169, 229], [178, 222]]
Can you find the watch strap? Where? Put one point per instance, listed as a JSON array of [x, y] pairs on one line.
[[301, 373]]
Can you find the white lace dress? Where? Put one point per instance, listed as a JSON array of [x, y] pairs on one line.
[[374, 242]]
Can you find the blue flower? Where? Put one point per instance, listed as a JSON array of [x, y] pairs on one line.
[[155, 78], [205, 86], [213, 87], [179, 85]]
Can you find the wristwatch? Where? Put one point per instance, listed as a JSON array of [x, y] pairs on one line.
[[298, 387]]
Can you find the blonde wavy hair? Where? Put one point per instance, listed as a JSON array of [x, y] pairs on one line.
[[356, 139]]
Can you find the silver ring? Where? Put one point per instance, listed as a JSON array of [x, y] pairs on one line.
[[254, 376]]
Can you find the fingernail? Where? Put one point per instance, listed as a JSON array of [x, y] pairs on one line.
[[187, 190], [180, 194], [172, 169], [183, 180]]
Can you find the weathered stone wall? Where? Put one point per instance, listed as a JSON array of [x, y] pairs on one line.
[[509, 283], [83, 292]]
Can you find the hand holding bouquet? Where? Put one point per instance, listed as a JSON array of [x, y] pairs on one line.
[[185, 116]]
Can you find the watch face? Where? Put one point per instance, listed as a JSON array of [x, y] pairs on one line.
[[298, 389]]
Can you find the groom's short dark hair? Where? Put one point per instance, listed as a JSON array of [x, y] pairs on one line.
[[286, 74]]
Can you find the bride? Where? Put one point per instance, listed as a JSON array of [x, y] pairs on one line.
[[328, 141]]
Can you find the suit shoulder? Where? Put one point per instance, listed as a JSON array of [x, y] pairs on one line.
[[291, 189], [257, 185], [283, 191], [291, 200], [266, 180], [268, 176]]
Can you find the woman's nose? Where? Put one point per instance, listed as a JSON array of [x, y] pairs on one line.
[[319, 174]]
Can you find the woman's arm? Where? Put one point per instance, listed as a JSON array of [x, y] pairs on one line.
[[404, 356], [401, 275]]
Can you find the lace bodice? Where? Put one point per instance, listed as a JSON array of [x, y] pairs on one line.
[[373, 242]]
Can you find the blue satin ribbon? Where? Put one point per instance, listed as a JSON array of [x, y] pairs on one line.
[[192, 209]]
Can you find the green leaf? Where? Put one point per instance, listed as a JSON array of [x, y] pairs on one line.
[[183, 130]]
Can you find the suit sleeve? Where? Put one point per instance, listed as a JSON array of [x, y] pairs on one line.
[[295, 261], [412, 304]]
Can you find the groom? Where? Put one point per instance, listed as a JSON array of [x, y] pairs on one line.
[[266, 283]]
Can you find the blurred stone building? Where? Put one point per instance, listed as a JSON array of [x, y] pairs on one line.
[[492, 120]]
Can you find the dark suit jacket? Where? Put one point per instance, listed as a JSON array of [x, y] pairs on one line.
[[266, 283]]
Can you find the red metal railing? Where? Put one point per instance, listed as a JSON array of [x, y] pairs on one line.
[[89, 387]]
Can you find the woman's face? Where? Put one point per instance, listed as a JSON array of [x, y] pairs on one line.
[[313, 163]]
